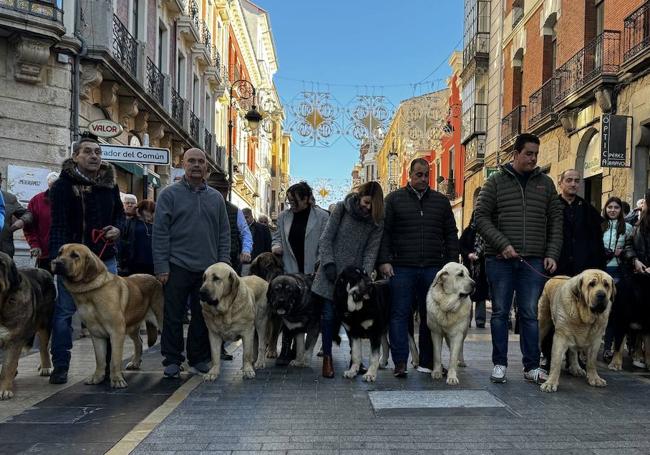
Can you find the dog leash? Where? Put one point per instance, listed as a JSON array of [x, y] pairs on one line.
[[534, 269], [97, 235]]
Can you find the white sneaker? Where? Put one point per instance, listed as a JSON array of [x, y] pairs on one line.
[[638, 363], [536, 375], [498, 374], [424, 370]]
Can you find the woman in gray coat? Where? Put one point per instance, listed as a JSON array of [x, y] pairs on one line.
[[351, 238]]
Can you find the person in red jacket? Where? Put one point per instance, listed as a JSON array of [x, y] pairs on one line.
[[37, 233]]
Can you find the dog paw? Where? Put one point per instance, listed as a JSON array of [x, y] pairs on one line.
[[260, 364], [436, 374], [211, 375], [351, 373], [452, 379], [45, 371], [94, 379], [133, 366], [6, 394], [615, 366], [297, 364], [369, 377], [549, 387], [596, 381], [272, 354], [577, 371], [118, 382], [462, 364], [248, 373]]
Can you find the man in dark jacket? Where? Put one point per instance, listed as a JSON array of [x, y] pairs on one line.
[[519, 216], [85, 200], [420, 236], [16, 218], [260, 232], [582, 246]]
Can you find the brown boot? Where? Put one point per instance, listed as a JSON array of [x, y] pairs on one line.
[[328, 367]]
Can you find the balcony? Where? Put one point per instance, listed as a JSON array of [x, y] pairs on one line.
[[189, 23], [178, 107], [474, 121], [540, 104], [207, 142], [125, 47], [245, 179], [598, 61], [155, 81], [474, 154], [448, 188], [214, 70], [512, 125], [32, 10], [194, 127], [636, 34], [477, 49]]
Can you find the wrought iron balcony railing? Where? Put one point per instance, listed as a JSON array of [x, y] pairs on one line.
[[206, 36], [478, 46], [193, 12], [448, 188], [475, 153], [474, 121], [178, 107], [513, 124], [247, 176], [636, 32], [125, 47], [207, 141], [39, 8], [194, 126], [155, 81], [216, 57], [600, 57], [540, 103]]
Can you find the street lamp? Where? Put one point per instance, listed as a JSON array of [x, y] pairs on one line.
[[245, 90]]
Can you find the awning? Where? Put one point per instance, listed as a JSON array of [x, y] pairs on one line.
[[131, 168]]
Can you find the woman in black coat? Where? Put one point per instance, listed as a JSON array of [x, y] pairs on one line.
[[473, 256]]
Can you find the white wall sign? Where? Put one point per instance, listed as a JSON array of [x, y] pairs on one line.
[[25, 182], [140, 155]]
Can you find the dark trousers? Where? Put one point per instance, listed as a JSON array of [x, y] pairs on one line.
[[409, 285], [183, 284]]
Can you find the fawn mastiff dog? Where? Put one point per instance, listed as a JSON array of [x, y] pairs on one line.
[[111, 307], [577, 309]]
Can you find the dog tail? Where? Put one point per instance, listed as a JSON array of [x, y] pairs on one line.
[[152, 333]]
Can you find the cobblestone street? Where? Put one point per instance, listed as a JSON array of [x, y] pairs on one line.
[[288, 410]]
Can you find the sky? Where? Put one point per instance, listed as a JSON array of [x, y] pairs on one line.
[[357, 47]]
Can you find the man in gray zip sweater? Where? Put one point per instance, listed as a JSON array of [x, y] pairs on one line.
[[190, 233], [519, 216]]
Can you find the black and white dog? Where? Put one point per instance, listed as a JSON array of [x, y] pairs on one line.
[[362, 306], [289, 297]]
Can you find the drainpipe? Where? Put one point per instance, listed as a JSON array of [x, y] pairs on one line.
[[76, 70]]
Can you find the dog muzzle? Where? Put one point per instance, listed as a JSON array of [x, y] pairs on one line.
[[58, 268]]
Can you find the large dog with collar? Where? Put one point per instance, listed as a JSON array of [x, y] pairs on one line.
[[290, 298]]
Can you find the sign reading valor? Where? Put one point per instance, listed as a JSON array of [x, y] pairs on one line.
[[140, 155]]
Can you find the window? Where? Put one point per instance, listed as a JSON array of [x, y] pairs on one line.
[[135, 18], [163, 48], [195, 95], [180, 75], [600, 17], [452, 159]]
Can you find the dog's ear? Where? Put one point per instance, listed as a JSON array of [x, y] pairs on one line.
[[92, 266], [576, 286], [13, 276], [270, 293], [440, 279], [613, 288], [255, 268], [234, 282]]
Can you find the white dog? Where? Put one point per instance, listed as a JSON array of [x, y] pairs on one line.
[[448, 310]]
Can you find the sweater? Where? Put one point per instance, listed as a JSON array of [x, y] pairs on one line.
[[419, 230], [80, 205], [528, 218], [37, 233], [350, 238], [190, 228]]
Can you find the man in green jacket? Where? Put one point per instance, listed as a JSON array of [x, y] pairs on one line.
[[519, 216]]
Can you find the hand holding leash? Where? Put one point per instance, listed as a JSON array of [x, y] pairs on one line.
[[550, 265], [163, 278], [386, 270]]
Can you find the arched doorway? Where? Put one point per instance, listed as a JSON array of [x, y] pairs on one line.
[[588, 163]]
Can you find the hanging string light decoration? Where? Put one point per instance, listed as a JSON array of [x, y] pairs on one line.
[[368, 119], [315, 118]]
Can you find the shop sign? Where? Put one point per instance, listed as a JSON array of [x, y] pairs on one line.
[[105, 128], [26, 182], [614, 140], [140, 155]]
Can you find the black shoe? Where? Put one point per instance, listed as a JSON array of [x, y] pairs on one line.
[[59, 376]]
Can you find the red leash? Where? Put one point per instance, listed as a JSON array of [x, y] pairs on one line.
[[97, 235], [533, 268]]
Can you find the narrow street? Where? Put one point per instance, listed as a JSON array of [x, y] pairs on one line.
[[288, 410]]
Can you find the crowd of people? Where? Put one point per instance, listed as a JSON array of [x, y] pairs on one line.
[[523, 230]]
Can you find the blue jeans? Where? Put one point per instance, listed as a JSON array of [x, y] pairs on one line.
[[408, 287], [64, 309], [506, 277], [327, 325]]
